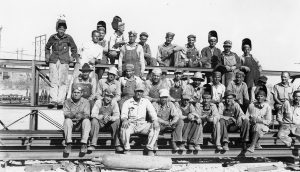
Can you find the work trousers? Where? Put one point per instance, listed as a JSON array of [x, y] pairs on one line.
[[142, 127], [192, 132], [285, 130], [58, 77], [260, 128], [83, 125], [228, 126], [112, 126], [176, 130]]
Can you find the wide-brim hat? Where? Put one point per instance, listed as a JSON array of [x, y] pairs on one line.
[[113, 70], [86, 68], [198, 76], [178, 71], [108, 92], [228, 93]]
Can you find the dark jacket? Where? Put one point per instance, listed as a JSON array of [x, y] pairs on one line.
[[60, 49]]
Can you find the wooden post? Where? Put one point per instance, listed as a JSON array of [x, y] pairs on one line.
[[33, 85], [37, 86], [33, 121]]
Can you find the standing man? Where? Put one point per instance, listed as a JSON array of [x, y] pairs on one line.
[[211, 54], [77, 114], [168, 118], [57, 55], [101, 28], [116, 41], [192, 53], [133, 117], [106, 117], [132, 53], [169, 54]]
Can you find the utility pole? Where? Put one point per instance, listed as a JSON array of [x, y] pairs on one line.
[[0, 36], [17, 54]]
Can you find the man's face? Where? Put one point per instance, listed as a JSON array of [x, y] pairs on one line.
[[285, 77], [138, 94], [155, 78], [121, 29], [85, 74], [297, 98], [206, 99], [111, 77], [132, 38], [212, 42], [229, 100], [185, 102], [197, 82], [216, 79], [61, 31], [95, 37], [129, 73], [102, 35], [261, 98], [163, 100], [227, 48], [169, 39], [246, 49], [191, 41], [177, 76], [143, 39], [239, 79], [76, 94], [107, 99]]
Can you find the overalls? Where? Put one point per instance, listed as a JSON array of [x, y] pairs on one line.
[[229, 60], [127, 91], [132, 57], [192, 55]]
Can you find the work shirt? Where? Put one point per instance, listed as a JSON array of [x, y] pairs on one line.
[[233, 111], [195, 92], [284, 92], [164, 53], [115, 112], [79, 110], [259, 114], [104, 45], [189, 109], [209, 112], [210, 57], [123, 80], [113, 86], [60, 48], [191, 53], [89, 87], [290, 114], [241, 91], [91, 52], [218, 92], [147, 50], [114, 39], [166, 112], [136, 111]]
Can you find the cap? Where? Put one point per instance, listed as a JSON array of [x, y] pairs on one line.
[[263, 79], [178, 71], [132, 32], [140, 87], [129, 67], [240, 73], [198, 76], [108, 92], [76, 87], [113, 70], [212, 35], [157, 71], [228, 93], [170, 34], [191, 36], [227, 43], [164, 93], [144, 34], [61, 22], [86, 68], [246, 41]]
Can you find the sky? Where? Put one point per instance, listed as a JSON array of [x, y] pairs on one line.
[[272, 25]]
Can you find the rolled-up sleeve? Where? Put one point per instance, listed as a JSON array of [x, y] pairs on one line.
[[95, 110]]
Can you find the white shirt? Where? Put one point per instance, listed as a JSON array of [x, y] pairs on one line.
[[114, 39], [218, 92], [90, 51], [123, 80]]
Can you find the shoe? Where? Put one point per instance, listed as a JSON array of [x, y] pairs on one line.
[[258, 146], [191, 147], [60, 106], [291, 145], [126, 152], [219, 147], [68, 149], [51, 105], [91, 148], [225, 147], [251, 149], [182, 147], [151, 153], [155, 147], [198, 148], [119, 149], [244, 146], [83, 148], [174, 146]]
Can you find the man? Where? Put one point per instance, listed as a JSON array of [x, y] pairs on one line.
[[262, 82], [232, 118], [289, 121], [169, 54], [87, 83], [116, 41], [230, 60], [154, 85], [132, 53], [192, 129], [59, 44], [218, 89], [111, 84], [133, 117], [128, 84], [211, 54], [105, 117], [168, 118], [77, 113], [240, 89], [260, 114], [149, 60], [195, 89], [101, 28], [177, 85], [192, 53]]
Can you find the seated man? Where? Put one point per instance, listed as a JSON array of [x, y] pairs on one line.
[[218, 89], [111, 84], [195, 89], [133, 117], [168, 118], [116, 41], [289, 121], [260, 114], [240, 89], [106, 117], [192, 53], [192, 129], [232, 118], [77, 113], [262, 82]]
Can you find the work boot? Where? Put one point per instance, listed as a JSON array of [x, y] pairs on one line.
[[253, 143], [119, 149], [244, 146], [91, 148], [198, 148], [191, 147], [182, 147], [60, 105], [68, 149], [219, 147], [174, 146], [83, 148], [251, 149], [258, 146], [225, 147], [51, 105], [155, 147], [151, 153]]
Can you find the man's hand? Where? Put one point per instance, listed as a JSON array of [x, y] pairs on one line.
[[155, 125], [228, 68], [191, 117], [125, 124], [199, 121]]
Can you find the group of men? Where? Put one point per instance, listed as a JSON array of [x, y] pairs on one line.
[[126, 103]]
